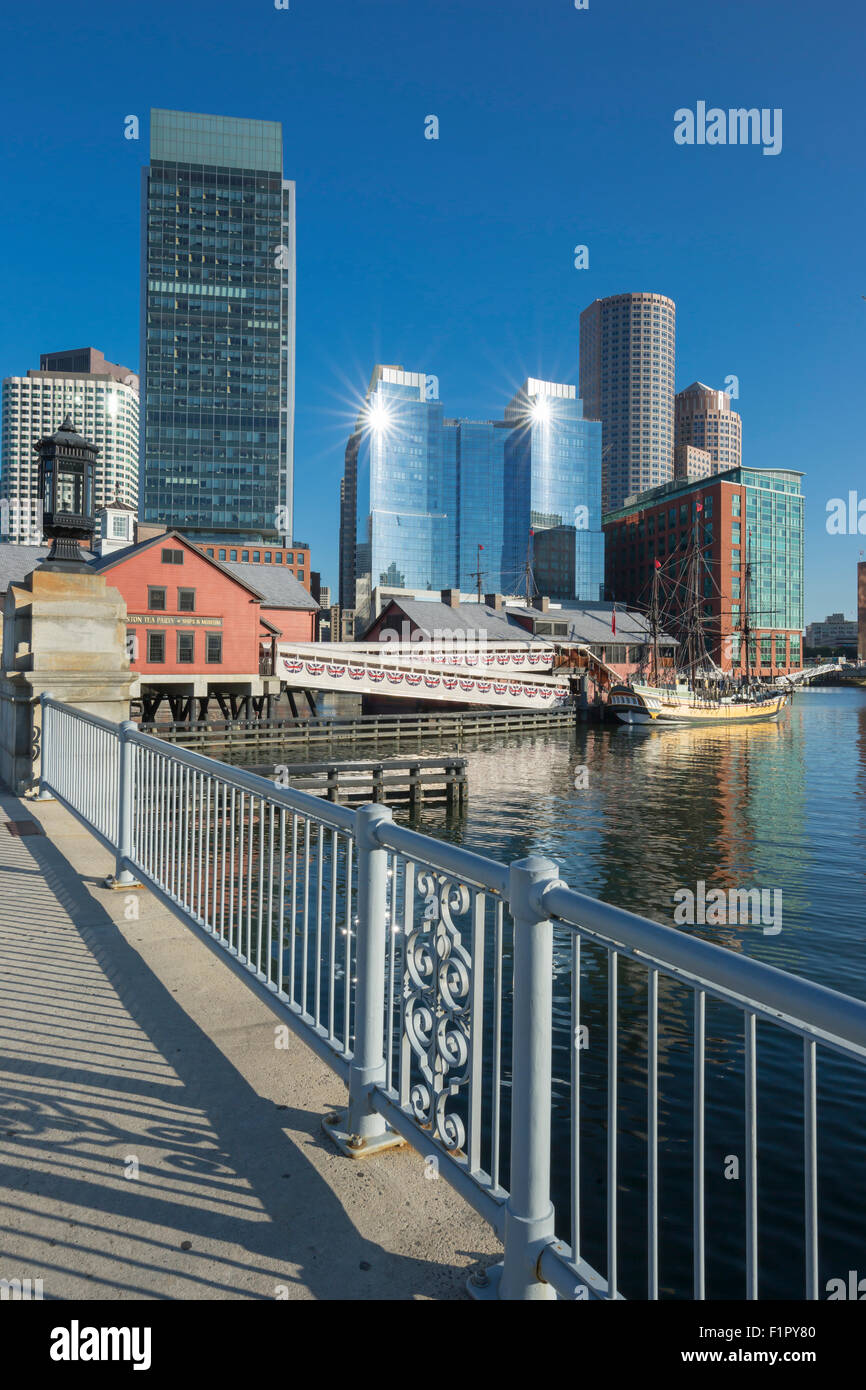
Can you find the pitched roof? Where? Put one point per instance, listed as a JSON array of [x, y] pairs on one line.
[[16, 562], [434, 617], [115, 506], [591, 623], [277, 585], [587, 623], [104, 562]]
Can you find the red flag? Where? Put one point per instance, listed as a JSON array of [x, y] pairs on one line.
[[613, 621], [658, 564], [699, 506]]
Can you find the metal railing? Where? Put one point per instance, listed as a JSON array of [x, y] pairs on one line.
[[443, 986]]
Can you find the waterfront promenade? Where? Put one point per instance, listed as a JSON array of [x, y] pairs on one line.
[[111, 1062]]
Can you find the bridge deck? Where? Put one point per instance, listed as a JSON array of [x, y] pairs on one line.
[[108, 1051]]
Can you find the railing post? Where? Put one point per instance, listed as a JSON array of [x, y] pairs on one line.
[[361, 1130], [45, 793], [123, 877], [529, 1217]]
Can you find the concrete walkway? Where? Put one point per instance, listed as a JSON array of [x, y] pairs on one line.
[[153, 1141]]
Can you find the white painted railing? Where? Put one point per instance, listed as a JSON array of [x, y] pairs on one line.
[[516, 678], [437, 983]]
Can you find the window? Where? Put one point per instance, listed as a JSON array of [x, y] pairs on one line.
[[118, 527], [279, 557], [172, 557], [290, 557], [211, 554], [222, 555], [735, 504], [156, 647], [214, 653], [267, 557], [257, 555], [186, 600], [233, 554], [245, 555], [132, 644], [156, 599], [185, 648]]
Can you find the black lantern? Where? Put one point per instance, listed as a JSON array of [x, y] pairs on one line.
[[66, 466]]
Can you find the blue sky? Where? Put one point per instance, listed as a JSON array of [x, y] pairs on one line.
[[455, 256]]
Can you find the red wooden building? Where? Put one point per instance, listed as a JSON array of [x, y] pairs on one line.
[[199, 630]]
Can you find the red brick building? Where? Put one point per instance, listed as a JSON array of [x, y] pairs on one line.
[[295, 558], [745, 514]]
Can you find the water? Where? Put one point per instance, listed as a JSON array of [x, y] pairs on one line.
[[778, 806]]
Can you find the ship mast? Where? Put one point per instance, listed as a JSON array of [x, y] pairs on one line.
[[654, 625], [746, 624], [694, 637]]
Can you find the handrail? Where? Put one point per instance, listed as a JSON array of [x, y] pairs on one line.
[[408, 963], [838, 1019], [339, 817]]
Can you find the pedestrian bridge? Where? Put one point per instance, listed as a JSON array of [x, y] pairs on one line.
[[511, 676], [808, 673]]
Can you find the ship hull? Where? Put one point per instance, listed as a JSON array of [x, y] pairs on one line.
[[644, 704]]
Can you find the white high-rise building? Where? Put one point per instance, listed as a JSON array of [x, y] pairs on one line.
[[627, 358], [103, 401]]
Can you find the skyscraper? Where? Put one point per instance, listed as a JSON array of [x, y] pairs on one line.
[[627, 358], [421, 493], [102, 400], [218, 329], [553, 485], [703, 419]]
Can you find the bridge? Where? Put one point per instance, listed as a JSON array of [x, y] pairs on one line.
[[509, 676], [809, 673]]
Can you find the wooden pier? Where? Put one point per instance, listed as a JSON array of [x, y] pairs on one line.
[[402, 730], [407, 781]]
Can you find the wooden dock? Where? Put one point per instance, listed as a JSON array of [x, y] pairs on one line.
[[402, 730], [408, 781]]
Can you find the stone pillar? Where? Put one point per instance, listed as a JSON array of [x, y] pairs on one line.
[[63, 631]]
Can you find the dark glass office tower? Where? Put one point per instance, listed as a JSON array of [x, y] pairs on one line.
[[218, 329]]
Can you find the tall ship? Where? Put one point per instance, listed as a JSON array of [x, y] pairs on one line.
[[693, 689]]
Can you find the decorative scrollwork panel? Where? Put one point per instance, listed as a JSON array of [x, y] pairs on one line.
[[436, 993]]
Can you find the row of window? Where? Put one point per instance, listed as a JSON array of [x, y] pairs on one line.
[[157, 599], [185, 649], [271, 557]]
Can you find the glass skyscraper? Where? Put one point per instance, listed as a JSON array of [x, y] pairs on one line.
[[422, 492], [218, 329]]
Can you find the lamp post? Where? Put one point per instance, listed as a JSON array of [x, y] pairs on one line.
[[66, 467]]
